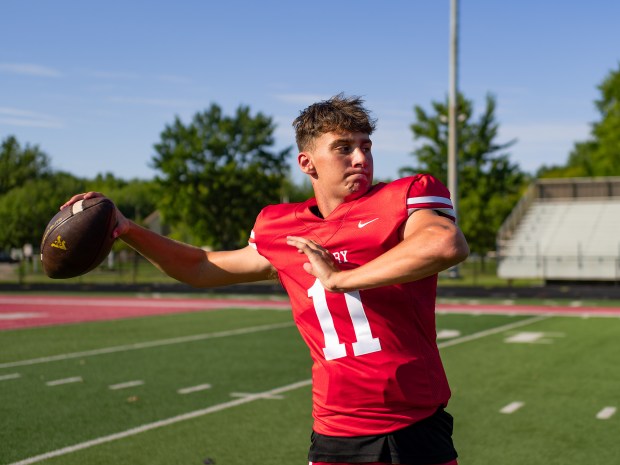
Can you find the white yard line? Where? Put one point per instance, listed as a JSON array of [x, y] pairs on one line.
[[162, 423], [512, 407], [60, 382], [145, 345], [128, 384], [489, 332], [192, 389], [606, 413], [10, 376]]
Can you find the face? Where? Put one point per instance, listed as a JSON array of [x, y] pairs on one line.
[[339, 164]]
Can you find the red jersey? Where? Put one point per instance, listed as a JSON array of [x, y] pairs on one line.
[[376, 363]]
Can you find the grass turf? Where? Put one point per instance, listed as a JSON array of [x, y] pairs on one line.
[[563, 380]]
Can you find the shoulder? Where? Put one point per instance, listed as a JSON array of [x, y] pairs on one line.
[[427, 192], [281, 210], [422, 184]]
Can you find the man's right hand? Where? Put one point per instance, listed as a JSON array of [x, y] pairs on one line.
[[122, 223]]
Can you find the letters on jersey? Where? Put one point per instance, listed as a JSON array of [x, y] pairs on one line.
[[376, 363]]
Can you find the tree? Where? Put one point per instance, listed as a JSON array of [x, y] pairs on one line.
[[17, 164], [135, 198], [217, 173], [26, 210], [489, 185], [599, 155]]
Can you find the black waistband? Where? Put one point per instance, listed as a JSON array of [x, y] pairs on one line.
[[428, 441]]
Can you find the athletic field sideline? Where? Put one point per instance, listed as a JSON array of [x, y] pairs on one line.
[[93, 380]]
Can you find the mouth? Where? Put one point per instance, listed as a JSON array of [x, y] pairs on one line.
[[357, 181], [358, 174]]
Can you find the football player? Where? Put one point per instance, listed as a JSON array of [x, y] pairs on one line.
[[359, 262]]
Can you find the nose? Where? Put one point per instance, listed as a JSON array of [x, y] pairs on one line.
[[361, 157]]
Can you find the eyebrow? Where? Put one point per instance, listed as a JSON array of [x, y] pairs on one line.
[[348, 140]]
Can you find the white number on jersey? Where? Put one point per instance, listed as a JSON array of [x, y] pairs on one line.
[[365, 343]]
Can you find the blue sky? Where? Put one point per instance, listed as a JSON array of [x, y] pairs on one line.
[[93, 84]]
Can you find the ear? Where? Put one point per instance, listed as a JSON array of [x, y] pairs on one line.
[[304, 161]]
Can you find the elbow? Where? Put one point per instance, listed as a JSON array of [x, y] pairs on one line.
[[456, 249]]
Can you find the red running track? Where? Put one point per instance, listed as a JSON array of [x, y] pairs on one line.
[[24, 311]]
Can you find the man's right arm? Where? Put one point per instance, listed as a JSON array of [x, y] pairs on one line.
[[186, 263], [195, 266]]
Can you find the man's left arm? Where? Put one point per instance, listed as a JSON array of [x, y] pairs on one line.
[[430, 243]]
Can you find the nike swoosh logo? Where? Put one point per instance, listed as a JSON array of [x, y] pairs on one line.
[[361, 225]]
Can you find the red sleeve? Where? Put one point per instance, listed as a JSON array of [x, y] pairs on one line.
[[426, 191]]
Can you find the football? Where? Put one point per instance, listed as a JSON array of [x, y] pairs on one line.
[[78, 238]]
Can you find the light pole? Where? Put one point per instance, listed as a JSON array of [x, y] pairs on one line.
[[452, 106], [452, 116]]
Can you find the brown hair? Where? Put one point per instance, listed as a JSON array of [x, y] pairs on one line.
[[339, 113]]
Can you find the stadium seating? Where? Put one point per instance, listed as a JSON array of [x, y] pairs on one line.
[[565, 230]]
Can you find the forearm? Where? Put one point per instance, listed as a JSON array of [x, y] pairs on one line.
[[426, 253], [189, 264], [179, 261]]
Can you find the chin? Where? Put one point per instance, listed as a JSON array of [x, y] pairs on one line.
[[357, 190]]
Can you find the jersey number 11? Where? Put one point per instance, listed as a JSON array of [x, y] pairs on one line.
[[365, 343]]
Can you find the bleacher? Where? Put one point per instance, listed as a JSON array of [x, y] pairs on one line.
[[564, 230]]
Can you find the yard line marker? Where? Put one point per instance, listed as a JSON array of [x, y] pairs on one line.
[[162, 423], [10, 376], [59, 382], [512, 407], [146, 345], [128, 384], [489, 332], [606, 413], [263, 396], [191, 389]]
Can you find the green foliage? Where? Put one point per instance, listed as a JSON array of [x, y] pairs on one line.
[[298, 193], [217, 173], [17, 164], [26, 210], [599, 155], [489, 185], [136, 198]]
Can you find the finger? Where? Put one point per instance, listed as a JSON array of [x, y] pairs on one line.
[[302, 242], [82, 196]]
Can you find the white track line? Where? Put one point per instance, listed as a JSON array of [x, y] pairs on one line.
[[216, 408], [146, 345], [162, 423], [163, 303], [60, 382]]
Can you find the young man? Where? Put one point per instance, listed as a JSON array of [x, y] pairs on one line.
[[359, 263]]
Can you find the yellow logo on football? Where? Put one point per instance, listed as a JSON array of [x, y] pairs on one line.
[[59, 244]]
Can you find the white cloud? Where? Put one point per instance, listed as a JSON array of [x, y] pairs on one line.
[[174, 79], [24, 118], [300, 99], [29, 69], [168, 103], [542, 143], [545, 133], [120, 75]]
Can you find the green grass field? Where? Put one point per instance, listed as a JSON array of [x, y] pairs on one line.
[[233, 386]]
